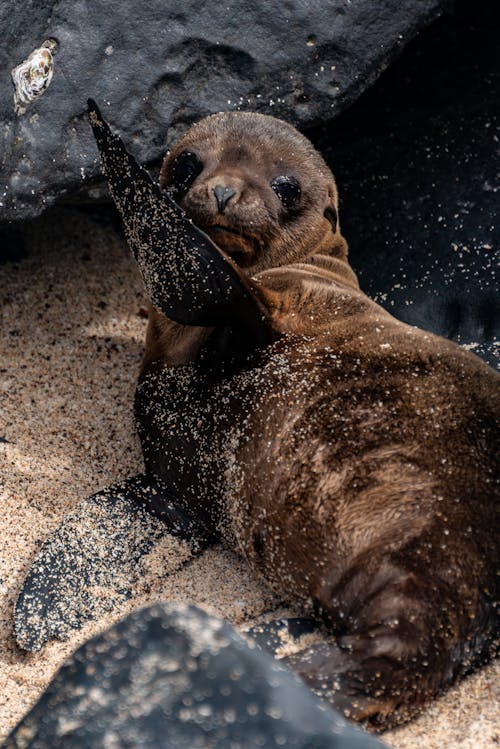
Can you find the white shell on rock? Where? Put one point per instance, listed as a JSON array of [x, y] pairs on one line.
[[33, 76]]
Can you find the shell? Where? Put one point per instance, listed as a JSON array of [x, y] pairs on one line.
[[33, 76]]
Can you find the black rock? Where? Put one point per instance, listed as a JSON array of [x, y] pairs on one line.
[[417, 163], [173, 676], [159, 66]]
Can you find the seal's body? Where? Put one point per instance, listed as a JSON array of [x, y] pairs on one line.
[[351, 458]]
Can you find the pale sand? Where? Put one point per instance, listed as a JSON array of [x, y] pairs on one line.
[[72, 339]]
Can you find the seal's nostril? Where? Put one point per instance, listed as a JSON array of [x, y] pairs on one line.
[[223, 195]]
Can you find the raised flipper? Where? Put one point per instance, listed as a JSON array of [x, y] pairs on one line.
[[186, 275], [92, 561]]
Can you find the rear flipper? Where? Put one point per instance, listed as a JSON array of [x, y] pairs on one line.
[[374, 689], [186, 276], [92, 561], [404, 638], [332, 671]]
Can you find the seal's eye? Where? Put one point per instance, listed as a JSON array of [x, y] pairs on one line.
[[287, 189], [187, 167]]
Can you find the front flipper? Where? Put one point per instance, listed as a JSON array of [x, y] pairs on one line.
[[186, 276], [91, 562]]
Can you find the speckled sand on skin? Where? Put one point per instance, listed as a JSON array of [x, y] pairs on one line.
[[72, 339]]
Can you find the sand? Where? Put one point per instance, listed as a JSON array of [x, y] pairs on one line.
[[72, 336]]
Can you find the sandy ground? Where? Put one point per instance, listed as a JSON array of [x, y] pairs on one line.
[[71, 342]]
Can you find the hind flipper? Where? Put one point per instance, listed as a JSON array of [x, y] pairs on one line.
[[330, 670], [355, 686], [91, 562], [187, 277], [402, 636]]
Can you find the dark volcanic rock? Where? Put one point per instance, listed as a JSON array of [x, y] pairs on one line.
[[158, 66], [417, 163], [172, 676]]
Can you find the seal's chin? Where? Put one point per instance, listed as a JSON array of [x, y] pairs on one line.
[[242, 248]]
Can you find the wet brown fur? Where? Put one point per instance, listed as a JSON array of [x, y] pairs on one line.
[[366, 475]]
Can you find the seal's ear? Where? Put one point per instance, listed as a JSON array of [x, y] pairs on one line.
[[331, 214], [338, 245], [188, 278]]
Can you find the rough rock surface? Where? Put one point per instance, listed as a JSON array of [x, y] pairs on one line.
[[173, 676], [158, 66]]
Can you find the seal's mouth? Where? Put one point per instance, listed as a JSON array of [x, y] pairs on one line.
[[243, 248]]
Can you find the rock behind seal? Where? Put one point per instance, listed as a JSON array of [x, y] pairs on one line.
[[161, 65], [417, 164], [174, 676]]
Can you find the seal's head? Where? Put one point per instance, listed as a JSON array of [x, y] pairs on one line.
[[257, 187]]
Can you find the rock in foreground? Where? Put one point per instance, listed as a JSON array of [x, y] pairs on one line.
[[173, 676]]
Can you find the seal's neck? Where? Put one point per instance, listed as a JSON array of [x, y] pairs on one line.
[[328, 266]]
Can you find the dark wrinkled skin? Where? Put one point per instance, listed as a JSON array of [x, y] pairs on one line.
[[351, 459]]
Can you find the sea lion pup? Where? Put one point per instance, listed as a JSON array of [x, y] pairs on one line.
[[349, 457]]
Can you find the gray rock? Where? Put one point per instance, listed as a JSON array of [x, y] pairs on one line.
[[173, 676], [155, 67]]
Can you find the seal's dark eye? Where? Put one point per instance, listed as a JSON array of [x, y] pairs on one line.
[[287, 189], [187, 167]]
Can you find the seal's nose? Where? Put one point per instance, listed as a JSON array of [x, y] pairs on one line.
[[223, 195]]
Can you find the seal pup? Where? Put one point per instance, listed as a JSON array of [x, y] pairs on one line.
[[349, 457]]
